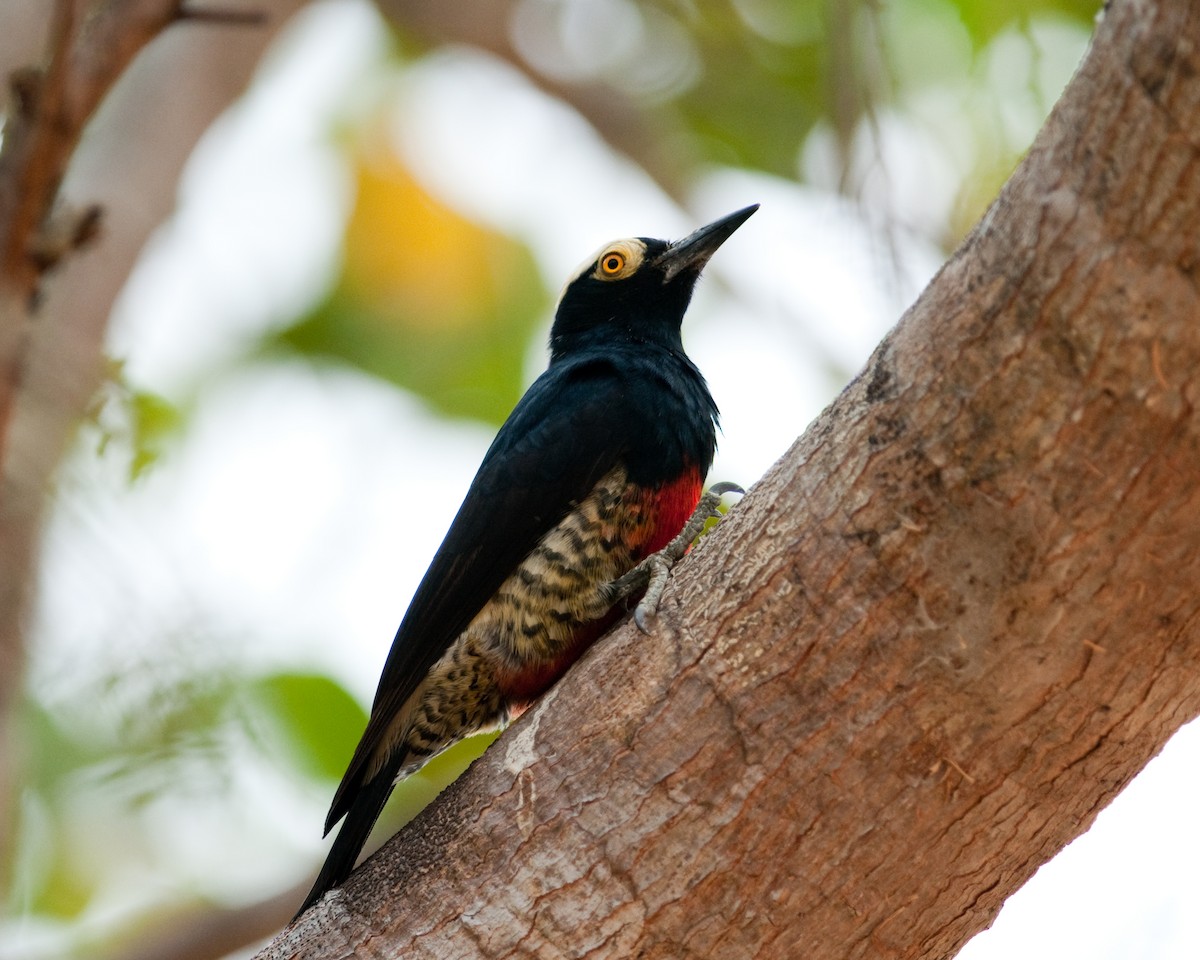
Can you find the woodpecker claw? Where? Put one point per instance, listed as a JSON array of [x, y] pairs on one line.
[[659, 568], [642, 618], [654, 571], [726, 486]]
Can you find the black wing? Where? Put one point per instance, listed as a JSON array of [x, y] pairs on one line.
[[564, 435], [645, 409]]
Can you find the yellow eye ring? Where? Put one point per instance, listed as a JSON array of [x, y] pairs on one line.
[[612, 263]]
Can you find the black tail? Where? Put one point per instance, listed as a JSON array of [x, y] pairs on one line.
[[347, 845]]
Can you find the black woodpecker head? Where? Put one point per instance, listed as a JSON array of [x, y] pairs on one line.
[[636, 290]]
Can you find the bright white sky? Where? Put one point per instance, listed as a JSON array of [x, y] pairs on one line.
[[301, 509]]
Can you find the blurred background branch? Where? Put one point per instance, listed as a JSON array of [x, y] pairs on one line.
[[44, 122], [52, 325]]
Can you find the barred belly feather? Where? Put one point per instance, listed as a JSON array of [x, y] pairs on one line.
[[543, 616]]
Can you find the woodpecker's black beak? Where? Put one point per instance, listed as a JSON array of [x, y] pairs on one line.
[[693, 251]]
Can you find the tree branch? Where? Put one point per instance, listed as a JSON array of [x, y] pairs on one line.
[[944, 631], [40, 136], [52, 185], [207, 931]]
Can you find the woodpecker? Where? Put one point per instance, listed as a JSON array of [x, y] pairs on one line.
[[588, 494]]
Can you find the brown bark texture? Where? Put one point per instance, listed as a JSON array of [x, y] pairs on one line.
[[944, 631]]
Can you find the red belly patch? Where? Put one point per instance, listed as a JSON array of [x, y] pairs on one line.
[[657, 515], [670, 506]]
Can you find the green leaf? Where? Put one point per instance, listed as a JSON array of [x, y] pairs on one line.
[[480, 375], [52, 753], [153, 421], [62, 890], [984, 19], [313, 718], [129, 419]]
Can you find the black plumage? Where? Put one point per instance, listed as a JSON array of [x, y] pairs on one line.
[[620, 403]]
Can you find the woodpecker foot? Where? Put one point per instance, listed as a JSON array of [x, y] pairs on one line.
[[652, 573]]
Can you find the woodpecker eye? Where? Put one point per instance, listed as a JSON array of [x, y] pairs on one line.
[[612, 263], [616, 260]]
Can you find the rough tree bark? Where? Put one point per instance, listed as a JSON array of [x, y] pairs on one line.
[[943, 632]]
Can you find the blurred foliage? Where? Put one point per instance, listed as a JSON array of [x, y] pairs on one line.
[[137, 740], [314, 722], [746, 83], [157, 730], [986, 19], [141, 422], [426, 299], [443, 307]]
